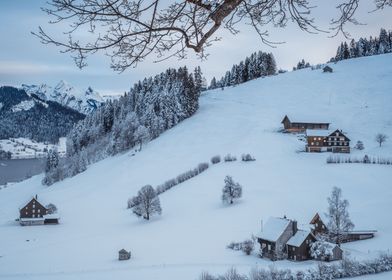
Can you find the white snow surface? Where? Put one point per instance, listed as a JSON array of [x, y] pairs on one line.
[[274, 228], [83, 101], [195, 227], [23, 106]]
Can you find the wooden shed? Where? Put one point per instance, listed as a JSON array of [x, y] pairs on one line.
[[298, 246], [124, 255], [295, 127]]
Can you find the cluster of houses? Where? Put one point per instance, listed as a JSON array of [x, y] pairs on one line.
[[281, 238], [319, 138], [34, 213]]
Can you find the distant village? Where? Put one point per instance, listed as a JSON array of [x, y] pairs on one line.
[[319, 138]]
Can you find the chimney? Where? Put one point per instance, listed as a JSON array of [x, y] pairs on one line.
[[295, 227], [261, 225]]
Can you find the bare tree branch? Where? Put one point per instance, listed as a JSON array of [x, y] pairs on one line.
[[128, 31]]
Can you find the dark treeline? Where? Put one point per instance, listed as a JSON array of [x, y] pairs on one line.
[[151, 107], [259, 64], [365, 47], [30, 117]]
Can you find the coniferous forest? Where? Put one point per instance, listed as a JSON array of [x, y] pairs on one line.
[[148, 109]]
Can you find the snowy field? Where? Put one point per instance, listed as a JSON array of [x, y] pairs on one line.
[[194, 229], [22, 148]]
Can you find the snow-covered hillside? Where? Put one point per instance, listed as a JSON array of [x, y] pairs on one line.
[[65, 94], [194, 229]]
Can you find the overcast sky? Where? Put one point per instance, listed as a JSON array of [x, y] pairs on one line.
[[23, 59]]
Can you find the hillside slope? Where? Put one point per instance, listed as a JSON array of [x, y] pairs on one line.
[[195, 227]]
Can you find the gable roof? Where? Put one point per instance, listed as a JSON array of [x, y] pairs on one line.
[[323, 217], [299, 118], [123, 251], [299, 238], [340, 131], [36, 200], [274, 228]]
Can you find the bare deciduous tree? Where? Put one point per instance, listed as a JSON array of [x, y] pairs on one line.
[[129, 31], [381, 138], [339, 219]]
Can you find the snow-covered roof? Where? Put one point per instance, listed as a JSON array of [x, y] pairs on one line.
[[298, 238], [31, 219], [304, 118], [274, 228], [52, 216], [318, 132]]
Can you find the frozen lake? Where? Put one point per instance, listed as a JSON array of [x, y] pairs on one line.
[[18, 169]]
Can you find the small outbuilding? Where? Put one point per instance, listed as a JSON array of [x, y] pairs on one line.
[[327, 69], [124, 255], [298, 246]]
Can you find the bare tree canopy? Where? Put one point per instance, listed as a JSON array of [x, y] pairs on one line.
[[129, 31]]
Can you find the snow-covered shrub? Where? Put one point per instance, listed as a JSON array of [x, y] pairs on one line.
[[148, 203], [359, 145], [133, 201], [51, 208], [247, 246], [231, 190], [202, 167], [232, 274], [247, 157], [215, 159], [207, 276], [236, 246], [321, 250], [229, 157]]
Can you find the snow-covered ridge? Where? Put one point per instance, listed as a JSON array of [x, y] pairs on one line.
[[24, 105], [82, 101]]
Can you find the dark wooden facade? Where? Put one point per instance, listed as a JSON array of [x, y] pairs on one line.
[[32, 209], [301, 126], [319, 227], [301, 252], [327, 69], [124, 255], [335, 142]]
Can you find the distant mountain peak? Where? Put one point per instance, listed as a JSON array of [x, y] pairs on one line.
[[83, 101]]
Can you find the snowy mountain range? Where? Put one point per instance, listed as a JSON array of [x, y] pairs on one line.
[[63, 93], [195, 227]]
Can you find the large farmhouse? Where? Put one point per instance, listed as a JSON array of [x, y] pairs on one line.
[[295, 127], [34, 213], [327, 141]]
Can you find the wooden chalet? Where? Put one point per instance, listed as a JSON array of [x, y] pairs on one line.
[[327, 141], [34, 213], [295, 127], [273, 238], [298, 246], [319, 227], [124, 255]]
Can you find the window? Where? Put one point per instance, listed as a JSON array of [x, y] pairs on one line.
[[293, 249], [33, 205], [39, 210], [27, 213], [312, 143], [33, 210], [33, 216], [269, 247], [319, 138]]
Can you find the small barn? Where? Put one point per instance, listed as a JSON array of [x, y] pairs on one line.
[[124, 255], [295, 127], [331, 252], [298, 246], [327, 69]]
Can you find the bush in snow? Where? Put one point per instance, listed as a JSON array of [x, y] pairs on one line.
[[248, 246], [229, 157], [247, 157], [148, 203], [236, 246], [215, 159], [231, 190], [51, 208], [321, 250], [359, 145], [344, 269], [202, 167]]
